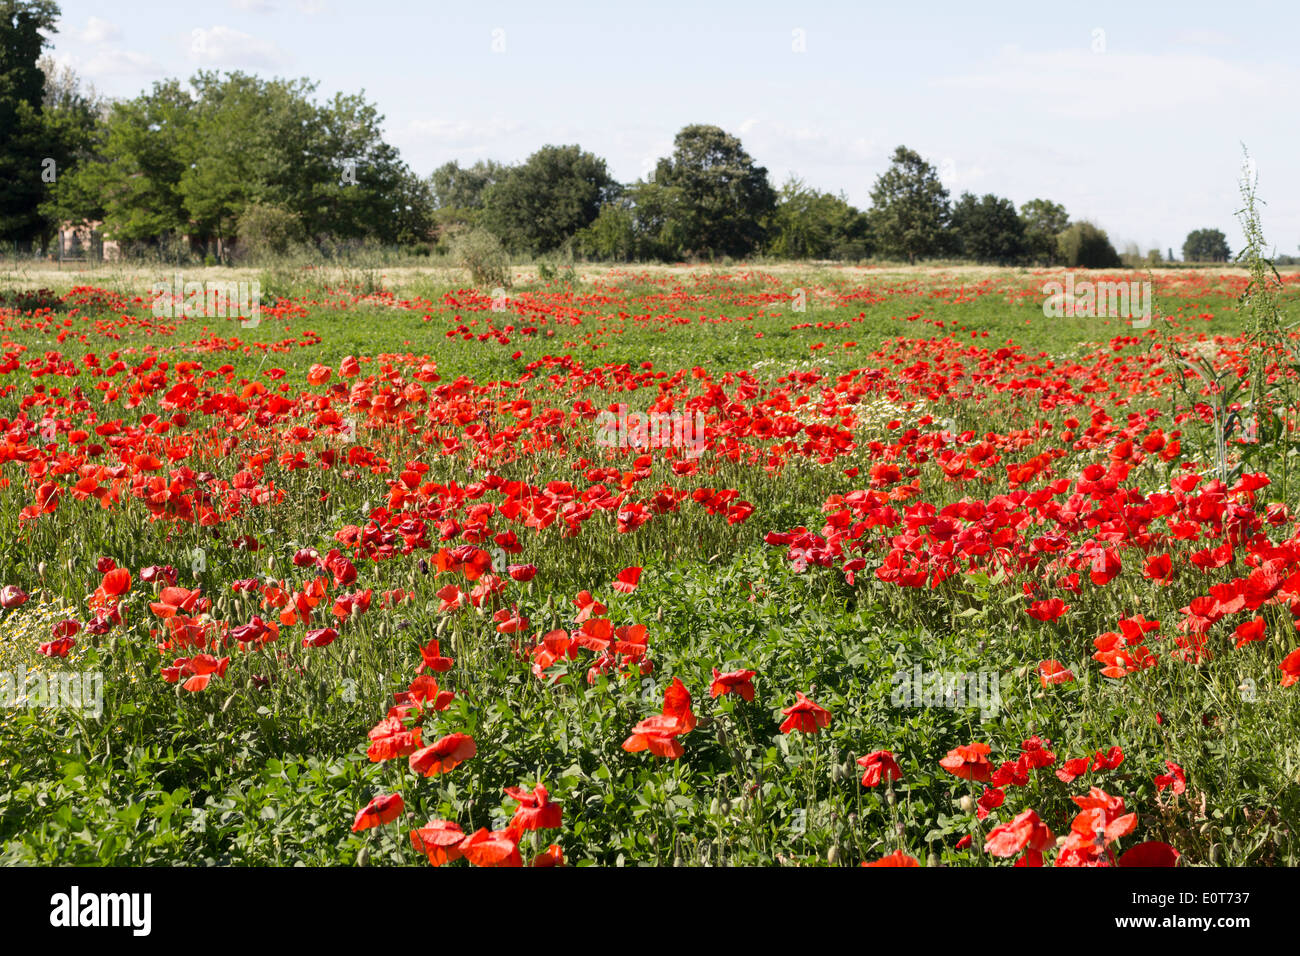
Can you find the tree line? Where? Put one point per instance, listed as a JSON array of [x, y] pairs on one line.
[[233, 163]]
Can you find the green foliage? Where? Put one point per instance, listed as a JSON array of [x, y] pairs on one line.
[[612, 236], [909, 214], [25, 140], [268, 230], [481, 254], [540, 205], [1043, 221], [988, 229], [1084, 246], [708, 199], [812, 225], [1206, 245]]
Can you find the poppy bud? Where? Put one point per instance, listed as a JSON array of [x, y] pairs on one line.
[[967, 803], [363, 858], [933, 859], [833, 855], [40, 570]]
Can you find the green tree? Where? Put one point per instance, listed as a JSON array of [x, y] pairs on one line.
[[1084, 246], [812, 225], [133, 181], [909, 213], [24, 140], [73, 121], [708, 198], [612, 236], [1043, 222], [1206, 245], [541, 204], [988, 229]]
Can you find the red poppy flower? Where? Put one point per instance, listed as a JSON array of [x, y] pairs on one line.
[[535, 811], [12, 596], [492, 848], [879, 765], [1025, 832], [1248, 631], [391, 738], [380, 810], [444, 755], [1290, 668], [734, 682], [439, 841], [969, 762], [897, 858], [1054, 672], [1150, 854], [804, 716], [433, 659], [1175, 779], [1050, 609], [627, 579]]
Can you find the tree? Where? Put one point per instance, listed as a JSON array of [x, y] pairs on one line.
[[133, 182], [1084, 246], [909, 213], [1206, 245], [72, 119], [988, 229], [24, 142], [179, 163], [539, 205], [812, 225], [612, 236], [1043, 221], [710, 197], [455, 187]]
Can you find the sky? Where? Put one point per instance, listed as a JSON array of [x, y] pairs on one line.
[[1132, 114]]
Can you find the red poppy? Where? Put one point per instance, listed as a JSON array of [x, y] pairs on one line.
[[1050, 609], [733, 682], [897, 858], [627, 579], [1150, 854], [969, 762], [879, 765], [535, 811], [1025, 832], [1175, 779], [492, 848], [439, 841], [442, 756], [380, 810], [1054, 672], [805, 716]]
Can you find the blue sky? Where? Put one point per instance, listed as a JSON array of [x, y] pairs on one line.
[[1129, 114]]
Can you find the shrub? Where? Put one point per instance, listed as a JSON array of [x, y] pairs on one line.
[[482, 255]]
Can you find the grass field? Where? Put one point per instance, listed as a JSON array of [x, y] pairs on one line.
[[906, 570]]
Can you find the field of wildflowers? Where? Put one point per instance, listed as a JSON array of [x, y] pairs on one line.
[[650, 567]]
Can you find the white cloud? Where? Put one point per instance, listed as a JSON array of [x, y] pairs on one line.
[[222, 46], [1080, 84], [460, 133], [118, 62], [98, 32]]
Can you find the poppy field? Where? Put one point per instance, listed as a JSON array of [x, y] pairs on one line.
[[650, 567]]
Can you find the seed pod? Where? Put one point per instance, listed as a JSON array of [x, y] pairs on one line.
[[833, 855]]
